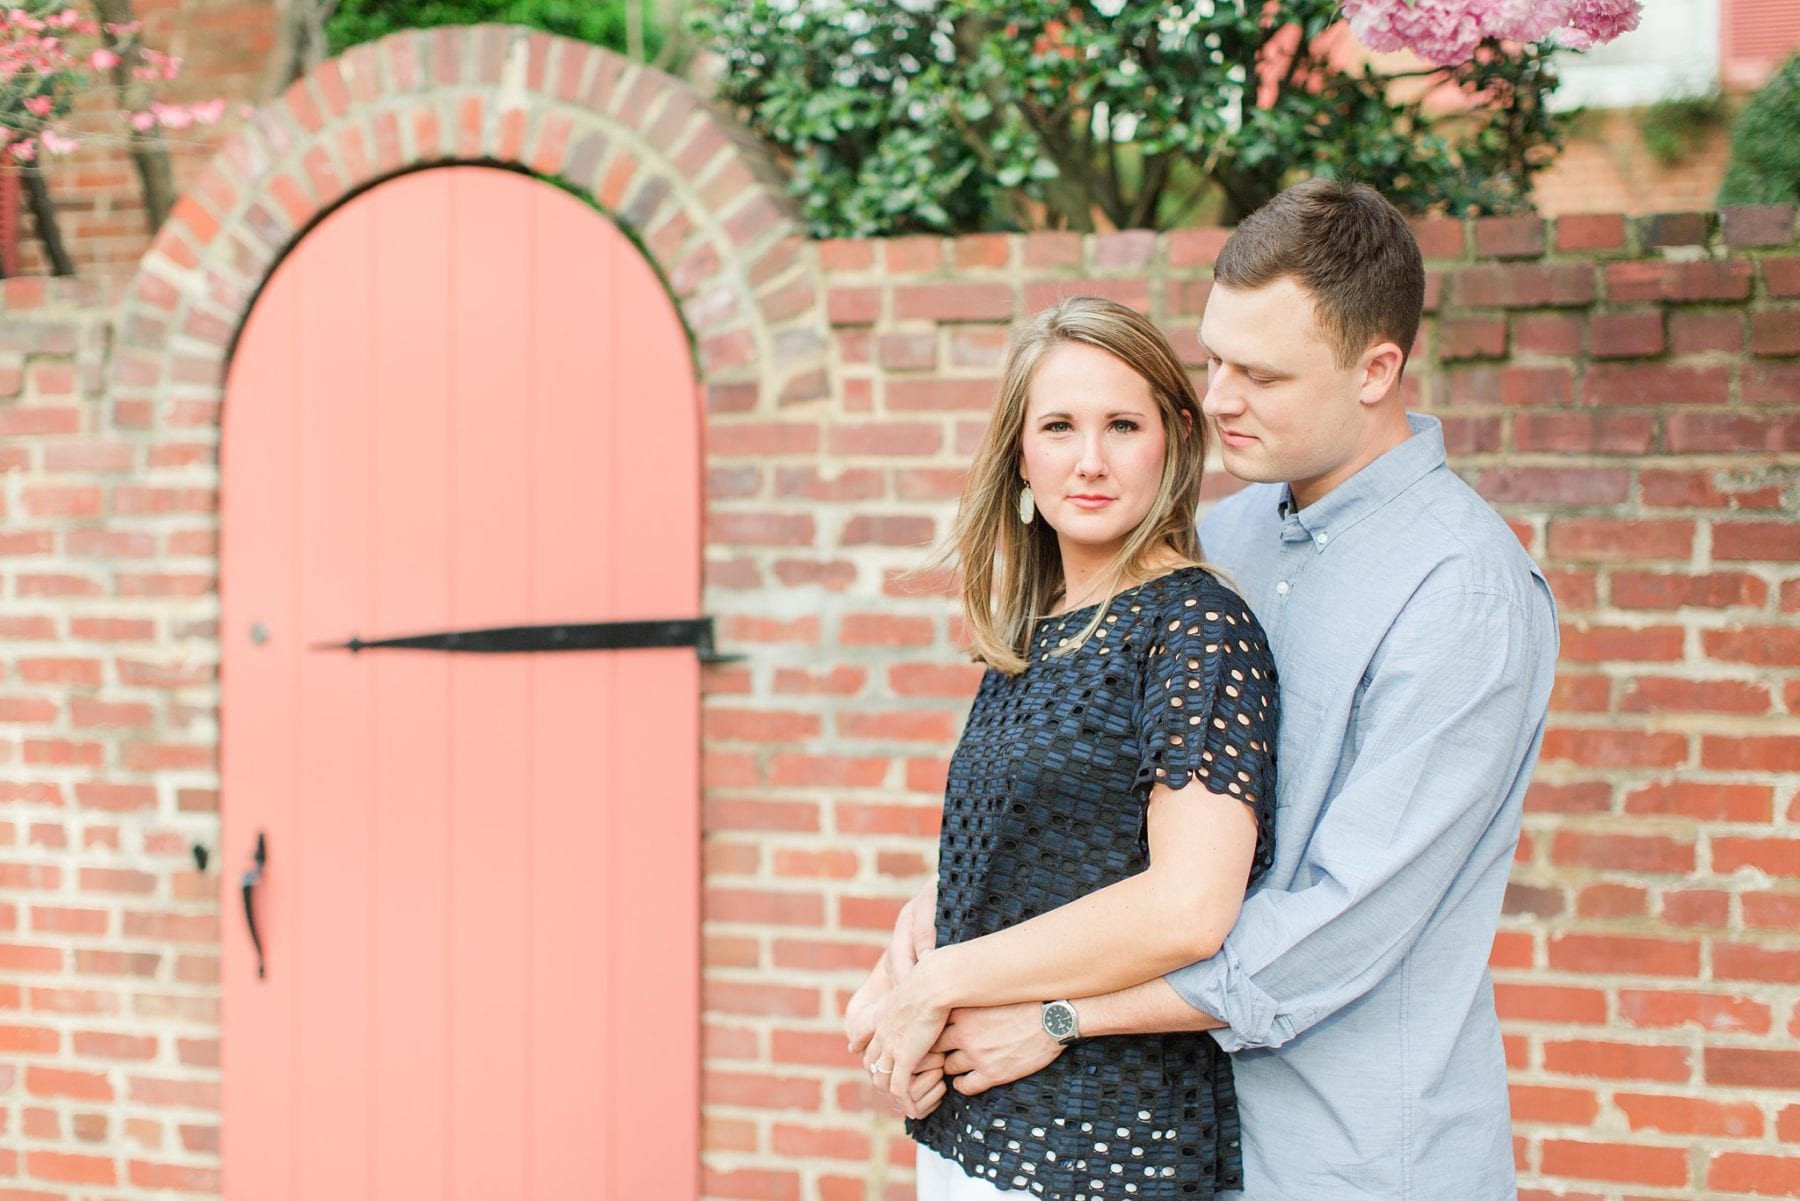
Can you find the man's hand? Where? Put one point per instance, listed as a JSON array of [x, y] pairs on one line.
[[993, 1046]]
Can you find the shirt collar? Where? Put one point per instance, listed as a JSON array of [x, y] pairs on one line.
[[1369, 489]]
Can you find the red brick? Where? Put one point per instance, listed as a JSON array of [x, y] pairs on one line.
[[1440, 237], [1702, 489], [1597, 747], [1553, 1106], [1674, 229], [1613, 901], [1637, 956], [1600, 433], [1775, 334], [1195, 247], [1652, 853], [1654, 590], [1707, 1011], [1695, 333], [758, 999], [1744, 961], [1519, 286], [1472, 338], [1747, 541], [1549, 1003], [1774, 753], [1581, 694], [885, 438], [1584, 797], [1622, 644], [1752, 1067], [1546, 334], [1616, 1061], [1531, 899], [981, 250], [941, 395], [751, 1184], [1727, 279], [919, 821], [954, 302], [1690, 1115], [1757, 224], [1056, 249], [1766, 383], [808, 1143], [1634, 1163], [1759, 1175], [1590, 231], [1657, 694], [1771, 910], [1625, 335], [758, 907], [848, 255], [1655, 384], [1731, 433], [1776, 856], [1556, 485], [759, 529], [880, 629], [1707, 908], [1609, 538], [1781, 275]]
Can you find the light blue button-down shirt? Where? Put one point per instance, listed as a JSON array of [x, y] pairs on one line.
[[1415, 643]]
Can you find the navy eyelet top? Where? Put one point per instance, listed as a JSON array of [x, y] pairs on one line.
[[1045, 803]]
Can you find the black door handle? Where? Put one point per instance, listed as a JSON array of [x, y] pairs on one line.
[[251, 878]]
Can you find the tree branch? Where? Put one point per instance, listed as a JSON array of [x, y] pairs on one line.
[[43, 217]]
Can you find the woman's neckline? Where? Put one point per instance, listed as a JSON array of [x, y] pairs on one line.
[[1138, 587]]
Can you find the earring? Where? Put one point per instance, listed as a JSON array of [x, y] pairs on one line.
[[1027, 505]]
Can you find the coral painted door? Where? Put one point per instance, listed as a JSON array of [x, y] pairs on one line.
[[463, 402]]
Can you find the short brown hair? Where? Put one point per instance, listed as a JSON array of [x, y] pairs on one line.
[[1347, 246]]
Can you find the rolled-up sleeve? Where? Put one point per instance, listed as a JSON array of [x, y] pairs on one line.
[[1453, 706]]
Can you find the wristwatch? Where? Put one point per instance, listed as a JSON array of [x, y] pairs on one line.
[[1061, 1021]]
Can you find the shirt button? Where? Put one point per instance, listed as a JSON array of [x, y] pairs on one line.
[[1321, 537], [1282, 588]]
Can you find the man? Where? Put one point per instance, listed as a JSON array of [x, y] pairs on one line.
[[1415, 643]]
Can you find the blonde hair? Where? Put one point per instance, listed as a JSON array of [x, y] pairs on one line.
[[1011, 571]]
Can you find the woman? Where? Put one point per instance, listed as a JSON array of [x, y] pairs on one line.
[[1113, 792]]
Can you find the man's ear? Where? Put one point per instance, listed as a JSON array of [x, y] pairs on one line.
[[1381, 366]]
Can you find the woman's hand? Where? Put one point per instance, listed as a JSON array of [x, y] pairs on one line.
[[865, 1004], [915, 932], [908, 1022]]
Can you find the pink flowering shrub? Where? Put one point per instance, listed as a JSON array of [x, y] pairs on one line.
[[1446, 32], [48, 49]]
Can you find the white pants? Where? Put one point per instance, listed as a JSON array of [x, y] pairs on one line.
[[942, 1179]]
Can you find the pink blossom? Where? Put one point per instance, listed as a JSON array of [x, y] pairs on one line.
[[1592, 22], [24, 150], [143, 122], [1445, 32], [172, 116], [208, 113], [39, 106], [103, 60], [55, 143]]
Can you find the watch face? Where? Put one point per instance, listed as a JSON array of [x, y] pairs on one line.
[[1059, 1020]]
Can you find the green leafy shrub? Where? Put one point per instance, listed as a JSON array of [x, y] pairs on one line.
[[1765, 144], [602, 22], [922, 116]]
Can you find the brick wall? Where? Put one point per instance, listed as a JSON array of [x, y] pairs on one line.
[[1626, 391]]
